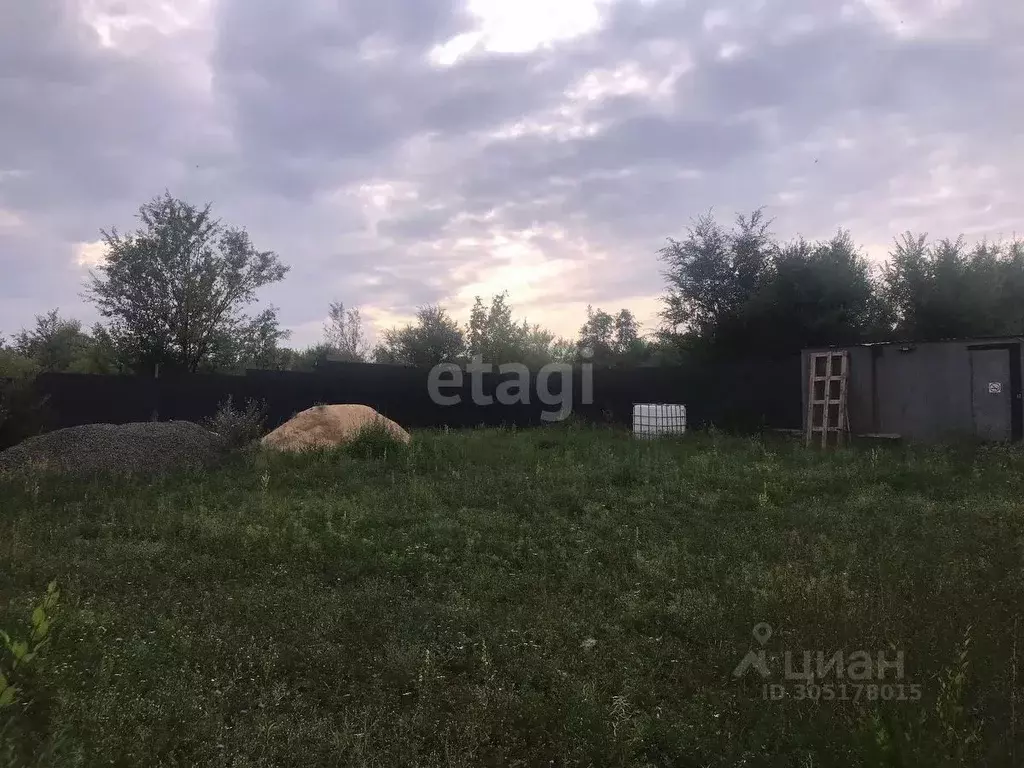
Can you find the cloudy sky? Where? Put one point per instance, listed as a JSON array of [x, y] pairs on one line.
[[403, 152]]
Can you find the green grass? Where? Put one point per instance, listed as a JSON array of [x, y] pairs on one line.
[[495, 598]]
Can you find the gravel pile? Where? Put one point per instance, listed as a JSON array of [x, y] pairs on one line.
[[144, 447]]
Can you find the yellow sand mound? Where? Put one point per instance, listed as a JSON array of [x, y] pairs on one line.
[[325, 426]]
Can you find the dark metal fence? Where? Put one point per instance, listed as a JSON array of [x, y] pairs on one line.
[[739, 396]]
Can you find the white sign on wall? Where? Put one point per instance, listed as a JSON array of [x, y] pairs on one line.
[[995, 387]]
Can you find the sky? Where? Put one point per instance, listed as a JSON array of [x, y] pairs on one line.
[[398, 153]]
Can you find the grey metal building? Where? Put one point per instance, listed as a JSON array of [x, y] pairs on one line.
[[933, 390]]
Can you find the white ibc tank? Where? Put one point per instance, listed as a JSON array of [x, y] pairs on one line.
[[653, 419]]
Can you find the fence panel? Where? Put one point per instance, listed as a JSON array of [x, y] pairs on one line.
[[738, 395]]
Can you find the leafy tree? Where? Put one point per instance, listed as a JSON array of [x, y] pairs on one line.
[[813, 294], [492, 334], [434, 338], [100, 356], [249, 344], [55, 343], [176, 288], [564, 350], [739, 292], [21, 409], [497, 338], [714, 272], [611, 340], [538, 346], [596, 335], [343, 333], [947, 289], [14, 365], [307, 359]]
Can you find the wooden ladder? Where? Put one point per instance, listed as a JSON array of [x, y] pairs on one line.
[[828, 375]]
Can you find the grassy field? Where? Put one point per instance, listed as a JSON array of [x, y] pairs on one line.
[[548, 598]]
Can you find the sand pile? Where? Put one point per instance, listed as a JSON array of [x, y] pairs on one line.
[[326, 426]]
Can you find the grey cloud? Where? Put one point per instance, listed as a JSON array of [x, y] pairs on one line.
[[312, 98], [827, 80], [299, 87]]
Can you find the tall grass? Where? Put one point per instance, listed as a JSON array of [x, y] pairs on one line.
[[548, 597]]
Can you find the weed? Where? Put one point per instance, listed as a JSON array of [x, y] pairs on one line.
[[374, 440], [239, 427], [20, 686]]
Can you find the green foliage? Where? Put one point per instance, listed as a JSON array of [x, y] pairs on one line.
[[55, 344], [174, 291], [19, 658], [239, 427], [306, 359], [947, 289], [740, 292], [375, 441], [23, 412], [714, 272], [100, 356], [494, 337], [609, 340], [343, 341], [815, 294], [23, 695], [248, 343], [434, 338], [14, 365], [521, 597], [563, 350], [343, 334]]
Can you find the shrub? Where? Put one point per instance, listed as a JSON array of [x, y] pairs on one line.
[[15, 366], [375, 441], [23, 412], [238, 428], [24, 698]]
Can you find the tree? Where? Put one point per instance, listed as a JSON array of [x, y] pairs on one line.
[[492, 334], [176, 288], [305, 359], [16, 366], [596, 335], [251, 343], [611, 340], [343, 333], [495, 337], [538, 346], [101, 356], [950, 290], [714, 272], [814, 294], [434, 338], [564, 350], [55, 344], [738, 292]]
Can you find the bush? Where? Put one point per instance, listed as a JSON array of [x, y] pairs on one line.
[[25, 701], [375, 441], [239, 428], [16, 366], [23, 412]]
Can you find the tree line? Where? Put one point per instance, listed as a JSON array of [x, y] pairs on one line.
[[175, 295]]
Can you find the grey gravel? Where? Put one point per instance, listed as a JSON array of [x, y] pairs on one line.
[[143, 447]]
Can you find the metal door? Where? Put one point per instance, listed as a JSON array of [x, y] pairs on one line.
[[991, 393]]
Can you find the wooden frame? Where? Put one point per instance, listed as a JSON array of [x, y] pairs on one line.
[[830, 376]]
